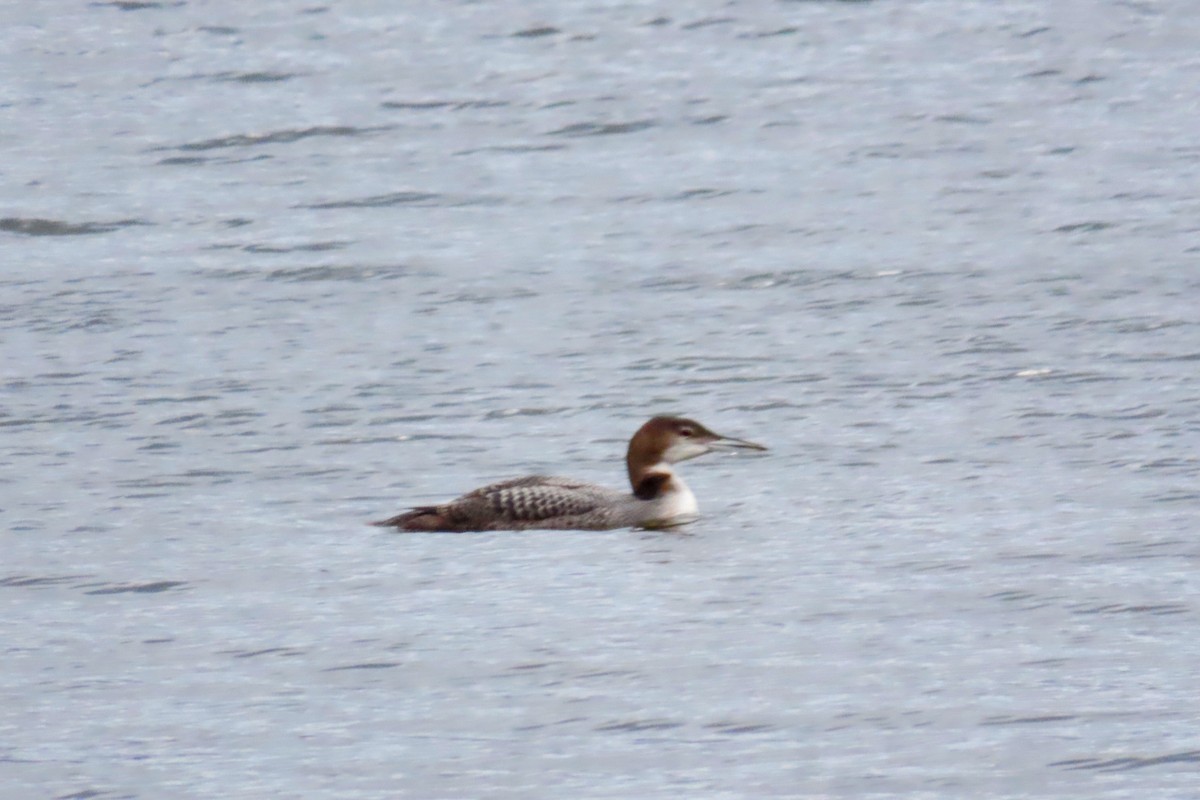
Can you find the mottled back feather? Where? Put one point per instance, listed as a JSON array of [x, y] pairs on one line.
[[537, 501], [534, 498]]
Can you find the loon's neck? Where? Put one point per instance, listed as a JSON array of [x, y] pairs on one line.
[[660, 482], [663, 500], [652, 480]]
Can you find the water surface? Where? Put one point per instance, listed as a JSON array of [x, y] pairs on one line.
[[272, 270]]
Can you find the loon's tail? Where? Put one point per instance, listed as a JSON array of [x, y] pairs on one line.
[[422, 518]]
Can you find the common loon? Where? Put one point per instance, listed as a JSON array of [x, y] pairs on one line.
[[660, 498]]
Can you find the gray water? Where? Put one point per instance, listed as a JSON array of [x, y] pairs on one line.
[[271, 270]]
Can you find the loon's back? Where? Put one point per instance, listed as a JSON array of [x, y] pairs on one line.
[[538, 501]]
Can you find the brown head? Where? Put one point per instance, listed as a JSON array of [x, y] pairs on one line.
[[669, 440]]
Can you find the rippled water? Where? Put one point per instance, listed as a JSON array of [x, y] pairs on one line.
[[274, 269]]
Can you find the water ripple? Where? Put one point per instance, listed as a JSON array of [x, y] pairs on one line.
[[1125, 763], [604, 128], [138, 588], [407, 198], [33, 226], [286, 136]]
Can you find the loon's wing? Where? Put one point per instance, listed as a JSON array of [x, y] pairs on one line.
[[511, 504], [536, 498]]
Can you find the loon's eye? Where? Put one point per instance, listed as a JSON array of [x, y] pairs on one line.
[[686, 432]]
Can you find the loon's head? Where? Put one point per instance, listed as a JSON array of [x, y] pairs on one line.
[[668, 440], [675, 439]]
